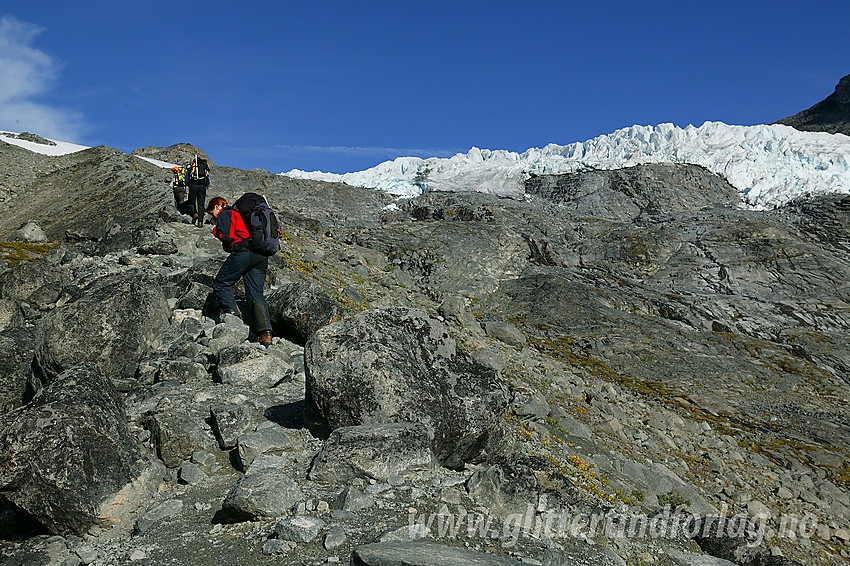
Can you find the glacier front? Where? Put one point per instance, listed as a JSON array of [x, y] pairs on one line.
[[769, 165]]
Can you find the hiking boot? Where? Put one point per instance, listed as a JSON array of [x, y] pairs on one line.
[[265, 338]]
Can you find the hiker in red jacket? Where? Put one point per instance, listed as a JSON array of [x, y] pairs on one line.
[[242, 262]]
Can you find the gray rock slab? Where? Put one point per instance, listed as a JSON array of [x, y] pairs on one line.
[[302, 306], [229, 333], [575, 428], [273, 439], [494, 488], [733, 538], [176, 435], [19, 283], [454, 309], [16, 375], [228, 422], [533, 405], [265, 491], [113, 325], [276, 547], [376, 451], [191, 474], [184, 371], [423, 553], [374, 489], [194, 296], [30, 232], [158, 247], [657, 479], [205, 460], [159, 512], [87, 554], [300, 528], [352, 499], [405, 533], [505, 332], [248, 365], [335, 538], [451, 496]]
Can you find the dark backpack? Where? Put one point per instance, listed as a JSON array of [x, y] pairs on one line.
[[261, 223], [199, 172]]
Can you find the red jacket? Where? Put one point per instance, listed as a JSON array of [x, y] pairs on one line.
[[231, 230]]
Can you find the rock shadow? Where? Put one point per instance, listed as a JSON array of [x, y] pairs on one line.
[[16, 524], [290, 415]]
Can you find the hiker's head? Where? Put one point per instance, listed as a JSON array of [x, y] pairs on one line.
[[215, 205]]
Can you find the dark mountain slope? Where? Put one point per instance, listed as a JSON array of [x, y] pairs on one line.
[[829, 115]]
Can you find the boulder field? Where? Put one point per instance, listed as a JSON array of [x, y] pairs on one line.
[[622, 367]]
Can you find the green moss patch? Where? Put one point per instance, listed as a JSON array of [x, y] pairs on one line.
[[14, 253]]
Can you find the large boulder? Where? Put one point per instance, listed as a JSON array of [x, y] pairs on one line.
[[113, 325], [269, 439], [28, 276], [264, 492], [29, 232], [299, 308], [176, 434], [17, 381], [400, 365], [69, 459], [248, 366]]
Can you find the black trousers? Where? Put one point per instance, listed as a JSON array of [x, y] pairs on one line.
[[197, 200], [252, 268]]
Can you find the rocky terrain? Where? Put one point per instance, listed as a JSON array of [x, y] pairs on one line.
[[623, 367], [179, 154]]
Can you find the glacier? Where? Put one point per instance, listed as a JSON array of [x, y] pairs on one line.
[[770, 165]]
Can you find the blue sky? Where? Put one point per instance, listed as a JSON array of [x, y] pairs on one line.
[[342, 86]]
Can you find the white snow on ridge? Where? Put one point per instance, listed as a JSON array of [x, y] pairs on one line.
[[64, 148], [157, 162], [769, 165], [61, 148]]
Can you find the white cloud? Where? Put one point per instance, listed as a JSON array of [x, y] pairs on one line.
[[25, 74]]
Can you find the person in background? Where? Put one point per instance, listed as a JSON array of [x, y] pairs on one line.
[[179, 186], [198, 179], [252, 267]]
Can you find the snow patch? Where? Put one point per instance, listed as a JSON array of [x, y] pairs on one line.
[[61, 148], [157, 162]]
